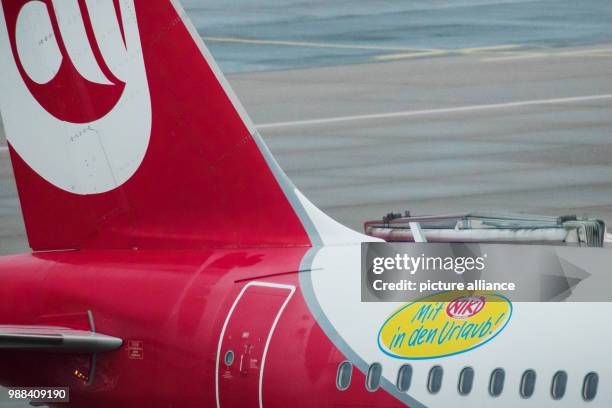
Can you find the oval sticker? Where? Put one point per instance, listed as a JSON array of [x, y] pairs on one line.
[[444, 324]]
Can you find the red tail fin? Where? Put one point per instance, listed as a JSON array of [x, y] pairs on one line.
[[123, 133]]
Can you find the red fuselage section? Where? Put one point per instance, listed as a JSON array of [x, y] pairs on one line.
[[179, 314]]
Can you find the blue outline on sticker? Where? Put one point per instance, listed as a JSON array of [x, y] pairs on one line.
[[444, 355]]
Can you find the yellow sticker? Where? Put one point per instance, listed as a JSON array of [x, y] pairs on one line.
[[444, 324]]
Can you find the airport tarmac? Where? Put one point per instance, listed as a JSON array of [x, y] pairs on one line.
[[525, 130], [261, 35]]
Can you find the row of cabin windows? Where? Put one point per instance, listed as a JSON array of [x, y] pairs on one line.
[[466, 381]]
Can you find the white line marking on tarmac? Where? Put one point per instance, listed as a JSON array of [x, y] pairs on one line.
[[404, 52], [310, 44], [516, 57], [502, 47], [590, 53], [416, 54], [450, 51], [457, 109]]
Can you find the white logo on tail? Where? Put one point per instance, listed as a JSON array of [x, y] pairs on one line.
[[98, 143]]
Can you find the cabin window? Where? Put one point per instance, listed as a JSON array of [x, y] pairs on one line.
[[228, 358], [589, 387], [496, 383], [404, 377], [343, 378], [559, 382], [434, 381], [373, 377], [527, 386], [466, 380]]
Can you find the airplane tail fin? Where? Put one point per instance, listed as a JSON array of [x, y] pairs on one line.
[[123, 133]]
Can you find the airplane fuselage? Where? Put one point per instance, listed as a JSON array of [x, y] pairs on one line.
[[179, 314]]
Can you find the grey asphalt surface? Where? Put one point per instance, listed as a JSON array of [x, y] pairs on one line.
[[548, 158], [260, 35]]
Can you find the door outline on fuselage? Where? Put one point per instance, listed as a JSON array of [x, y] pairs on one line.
[[291, 289]]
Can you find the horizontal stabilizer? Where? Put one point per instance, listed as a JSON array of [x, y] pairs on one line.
[[55, 339]]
